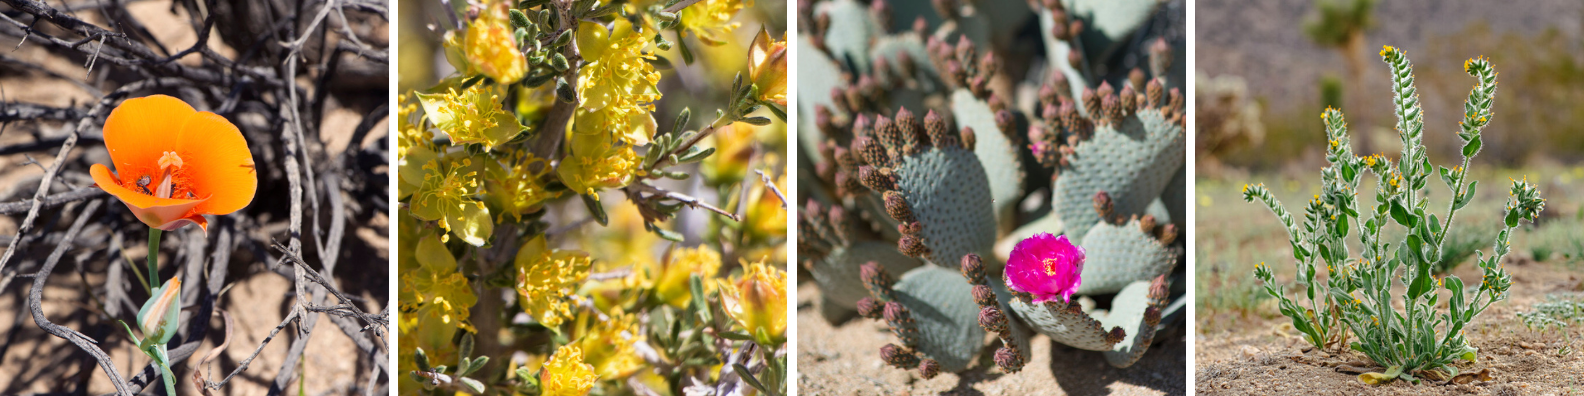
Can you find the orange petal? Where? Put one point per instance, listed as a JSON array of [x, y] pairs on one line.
[[194, 218], [217, 163], [161, 213], [140, 130]]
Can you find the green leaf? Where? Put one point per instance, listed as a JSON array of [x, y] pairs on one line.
[[682, 119], [422, 360], [777, 110], [696, 286], [1422, 282], [1472, 147], [757, 121], [518, 19], [595, 209], [731, 335], [478, 363], [466, 347], [669, 235], [687, 54], [1401, 215], [1468, 196], [748, 377], [1512, 218], [473, 385]]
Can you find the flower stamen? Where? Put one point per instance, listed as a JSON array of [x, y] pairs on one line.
[[168, 164]]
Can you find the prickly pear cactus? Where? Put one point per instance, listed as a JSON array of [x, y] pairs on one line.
[[833, 257], [932, 185], [918, 145], [1132, 159]]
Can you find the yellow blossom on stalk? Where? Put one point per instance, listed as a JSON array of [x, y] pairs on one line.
[[446, 196], [597, 162], [671, 284], [608, 344], [757, 300], [545, 278], [767, 67], [616, 84], [439, 293], [518, 186], [766, 216], [471, 115], [734, 146], [565, 374], [491, 49], [408, 134], [710, 20]]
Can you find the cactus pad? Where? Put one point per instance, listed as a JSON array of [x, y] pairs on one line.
[[1120, 254], [1132, 159], [997, 152], [942, 308]]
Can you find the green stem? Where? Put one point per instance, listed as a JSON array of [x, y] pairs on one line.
[[153, 258]]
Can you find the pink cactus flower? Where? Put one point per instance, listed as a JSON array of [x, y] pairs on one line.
[[1046, 266]]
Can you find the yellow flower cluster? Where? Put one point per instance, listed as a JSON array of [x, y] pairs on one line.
[[408, 134], [546, 278], [710, 20], [617, 84], [671, 283], [617, 89], [597, 162], [446, 196], [607, 344], [472, 115], [566, 374], [757, 301], [518, 187], [490, 48]]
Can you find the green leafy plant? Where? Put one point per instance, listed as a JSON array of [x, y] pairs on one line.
[[1557, 312], [1425, 336]]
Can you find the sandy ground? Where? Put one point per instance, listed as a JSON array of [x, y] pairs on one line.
[[845, 360], [1262, 356]]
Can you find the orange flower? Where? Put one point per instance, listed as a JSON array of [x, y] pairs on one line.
[[175, 164]]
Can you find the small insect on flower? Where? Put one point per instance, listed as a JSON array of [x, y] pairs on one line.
[[174, 164]]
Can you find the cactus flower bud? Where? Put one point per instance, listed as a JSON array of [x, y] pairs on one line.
[[912, 246], [160, 317], [1045, 266], [1091, 102], [929, 368], [874, 276], [984, 296], [939, 134], [1004, 121], [1008, 359], [973, 269], [898, 357], [965, 49], [992, 320], [897, 207], [868, 307]]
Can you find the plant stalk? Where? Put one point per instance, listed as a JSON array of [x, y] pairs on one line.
[[153, 259]]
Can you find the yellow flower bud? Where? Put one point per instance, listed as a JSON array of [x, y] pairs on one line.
[[757, 300]]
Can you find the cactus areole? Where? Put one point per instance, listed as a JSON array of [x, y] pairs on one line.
[[1046, 266]]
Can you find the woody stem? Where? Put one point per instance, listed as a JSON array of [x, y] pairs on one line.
[[153, 259]]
